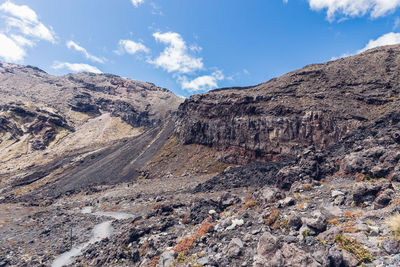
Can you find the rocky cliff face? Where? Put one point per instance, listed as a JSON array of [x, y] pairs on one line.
[[316, 106]]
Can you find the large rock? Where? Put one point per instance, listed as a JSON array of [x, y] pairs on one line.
[[391, 246], [317, 222], [384, 199], [271, 254]]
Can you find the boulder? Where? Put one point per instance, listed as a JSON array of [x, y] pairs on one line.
[[317, 222], [391, 246]]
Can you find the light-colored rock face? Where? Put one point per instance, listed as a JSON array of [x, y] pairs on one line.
[[46, 119], [86, 93]]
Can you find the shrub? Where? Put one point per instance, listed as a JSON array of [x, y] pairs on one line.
[[250, 204], [307, 186], [334, 221], [393, 222], [351, 215], [273, 216], [355, 248], [186, 243]]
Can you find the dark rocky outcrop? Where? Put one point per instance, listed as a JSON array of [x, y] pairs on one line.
[[316, 106]]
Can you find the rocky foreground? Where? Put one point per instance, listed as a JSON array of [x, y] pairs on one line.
[[340, 221], [303, 170]]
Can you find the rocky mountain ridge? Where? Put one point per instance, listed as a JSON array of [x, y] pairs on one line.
[[316, 106], [303, 170]]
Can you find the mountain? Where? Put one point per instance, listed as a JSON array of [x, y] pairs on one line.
[[316, 106], [302, 170], [90, 128]]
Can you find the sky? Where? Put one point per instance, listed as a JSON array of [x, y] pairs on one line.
[[191, 46]]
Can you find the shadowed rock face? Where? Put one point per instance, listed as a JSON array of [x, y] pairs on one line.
[[315, 106]]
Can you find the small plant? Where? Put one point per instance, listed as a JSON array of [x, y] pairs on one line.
[[276, 225], [186, 243], [334, 221], [307, 186], [393, 222], [181, 257], [250, 204], [348, 227], [284, 223], [349, 215], [153, 262], [355, 248], [306, 233], [274, 215]]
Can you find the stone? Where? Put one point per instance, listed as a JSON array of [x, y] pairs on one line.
[[267, 245], [204, 261], [383, 199], [328, 236], [167, 258], [321, 256], [289, 239], [235, 222], [288, 201], [227, 200], [293, 256], [234, 248], [336, 193], [364, 191], [294, 221], [349, 260], [391, 246], [318, 222], [335, 257]]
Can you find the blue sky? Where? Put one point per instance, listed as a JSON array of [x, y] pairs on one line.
[[192, 46]]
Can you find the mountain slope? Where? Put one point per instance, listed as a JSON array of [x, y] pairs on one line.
[[316, 106], [60, 134]]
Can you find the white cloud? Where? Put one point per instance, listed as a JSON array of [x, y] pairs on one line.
[[137, 3], [76, 67], [22, 41], [22, 12], [75, 46], [131, 47], [23, 30], [175, 57], [25, 20], [390, 38], [202, 83], [355, 8], [10, 50], [342, 56], [156, 9]]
